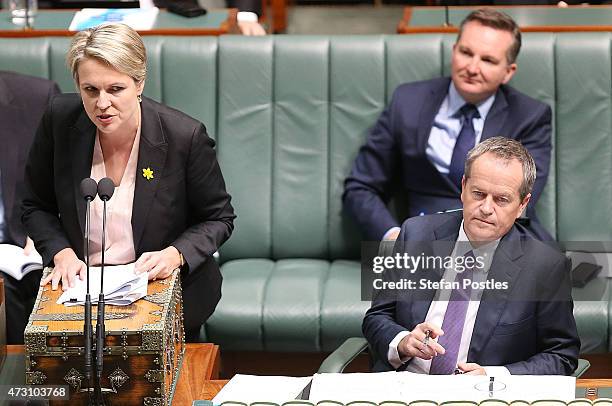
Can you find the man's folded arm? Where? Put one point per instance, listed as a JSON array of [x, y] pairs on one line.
[[367, 189], [538, 143]]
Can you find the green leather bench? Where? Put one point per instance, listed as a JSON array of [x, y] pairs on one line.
[[289, 114]]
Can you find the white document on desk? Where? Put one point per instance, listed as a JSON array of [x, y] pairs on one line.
[[122, 286], [252, 388], [407, 387]]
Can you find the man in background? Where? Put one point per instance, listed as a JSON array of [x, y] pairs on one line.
[[417, 149], [23, 100]]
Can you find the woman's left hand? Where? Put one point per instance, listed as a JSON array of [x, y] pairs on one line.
[[159, 264]]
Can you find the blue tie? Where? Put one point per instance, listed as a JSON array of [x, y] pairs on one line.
[[465, 142]]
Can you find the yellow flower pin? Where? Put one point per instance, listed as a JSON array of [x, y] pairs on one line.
[[147, 173]]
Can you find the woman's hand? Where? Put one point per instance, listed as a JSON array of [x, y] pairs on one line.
[[159, 264], [67, 267], [29, 247]]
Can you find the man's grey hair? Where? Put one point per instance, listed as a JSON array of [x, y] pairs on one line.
[[506, 149]]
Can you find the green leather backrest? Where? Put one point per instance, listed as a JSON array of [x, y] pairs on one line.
[[290, 112]]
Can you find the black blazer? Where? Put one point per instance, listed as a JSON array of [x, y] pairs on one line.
[[23, 100], [528, 328], [184, 205], [394, 162]]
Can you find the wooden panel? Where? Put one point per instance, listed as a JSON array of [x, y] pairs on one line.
[[532, 18], [55, 23]]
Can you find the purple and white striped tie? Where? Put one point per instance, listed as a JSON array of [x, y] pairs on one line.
[[454, 319]]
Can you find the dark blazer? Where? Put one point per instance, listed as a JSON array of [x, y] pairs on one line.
[[184, 205], [23, 100], [246, 5], [528, 328], [393, 160]]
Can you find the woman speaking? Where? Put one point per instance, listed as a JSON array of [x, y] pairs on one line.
[[170, 208]]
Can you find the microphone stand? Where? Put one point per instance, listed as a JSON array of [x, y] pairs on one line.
[[87, 330], [88, 190], [100, 327], [27, 14]]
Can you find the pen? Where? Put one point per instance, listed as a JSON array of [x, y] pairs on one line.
[[427, 334], [491, 381]]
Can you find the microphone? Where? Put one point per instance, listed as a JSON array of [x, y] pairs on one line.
[[89, 189], [106, 188]]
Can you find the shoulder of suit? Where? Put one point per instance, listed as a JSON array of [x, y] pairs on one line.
[[66, 105], [535, 248], [423, 85], [27, 87], [14, 77], [431, 221], [169, 113], [520, 99], [180, 123]]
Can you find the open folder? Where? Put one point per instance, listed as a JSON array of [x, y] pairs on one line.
[[122, 286]]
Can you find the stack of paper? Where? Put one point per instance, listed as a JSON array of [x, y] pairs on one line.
[[407, 386], [15, 263], [138, 18], [251, 388], [121, 286]]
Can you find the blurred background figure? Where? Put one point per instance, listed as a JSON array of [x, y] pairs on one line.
[[23, 100]]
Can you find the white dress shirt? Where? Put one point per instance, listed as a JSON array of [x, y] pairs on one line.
[[437, 309], [445, 131]]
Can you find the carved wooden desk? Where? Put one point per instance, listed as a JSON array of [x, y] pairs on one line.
[[201, 364]]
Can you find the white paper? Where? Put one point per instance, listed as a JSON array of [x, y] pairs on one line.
[[138, 18], [252, 388], [15, 263], [121, 286], [408, 387]]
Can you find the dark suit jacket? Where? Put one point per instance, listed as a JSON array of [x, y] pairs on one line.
[[23, 100], [184, 205], [528, 328], [393, 160], [246, 5]]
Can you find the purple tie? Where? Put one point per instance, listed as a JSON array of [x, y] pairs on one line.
[[454, 319]]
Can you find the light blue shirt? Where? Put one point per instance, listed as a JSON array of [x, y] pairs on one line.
[[1, 212], [445, 131], [447, 126]]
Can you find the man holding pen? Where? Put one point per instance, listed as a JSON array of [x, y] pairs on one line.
[[509, 311]]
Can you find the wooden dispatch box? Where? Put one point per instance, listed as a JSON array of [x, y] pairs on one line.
[[144, 346]]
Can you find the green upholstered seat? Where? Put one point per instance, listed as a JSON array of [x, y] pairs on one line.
[[289, 114]]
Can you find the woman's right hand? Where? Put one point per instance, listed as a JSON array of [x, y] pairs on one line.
[[67, 267]]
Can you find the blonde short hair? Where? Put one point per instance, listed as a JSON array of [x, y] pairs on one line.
[[114, 44]]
